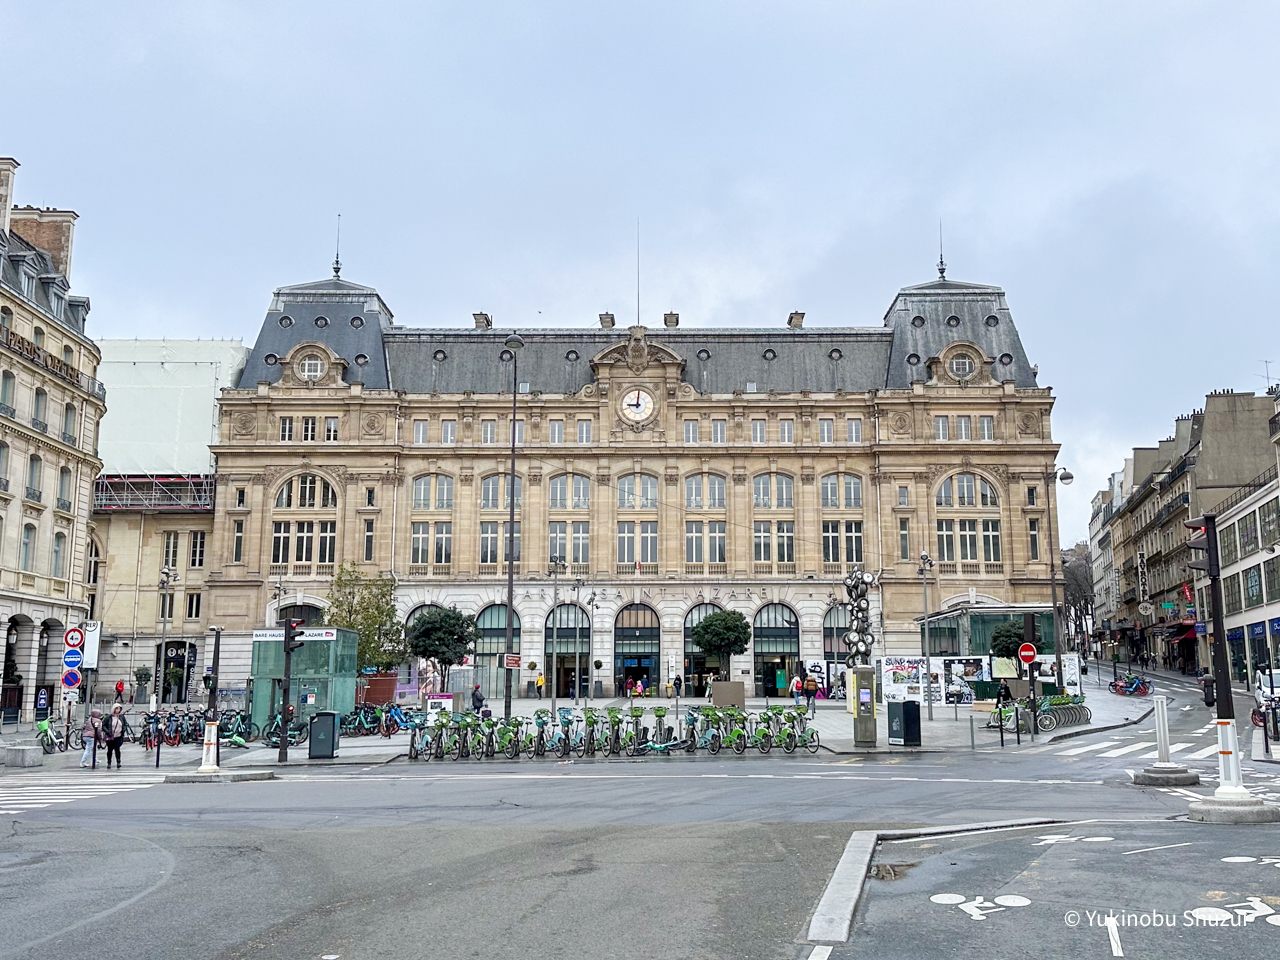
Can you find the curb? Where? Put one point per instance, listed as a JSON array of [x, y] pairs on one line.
[[1085, 731], [832, 919], [226, 776]]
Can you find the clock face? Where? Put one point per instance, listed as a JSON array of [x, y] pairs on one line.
[[637, 405]]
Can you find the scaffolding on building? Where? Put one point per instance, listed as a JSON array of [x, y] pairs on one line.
[[178, 493]]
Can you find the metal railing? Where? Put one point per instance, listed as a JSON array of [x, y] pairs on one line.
[[1250, 488], [40, 425], [35, 494], [64, 505]]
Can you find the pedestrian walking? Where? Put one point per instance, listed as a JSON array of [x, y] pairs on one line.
[[710, 683], [631, 687], [811, 694], [1004, 694], [113, 733], [794, 689], [91, 731], [677, 683], [539, 683], [477, 699], [119, 691]]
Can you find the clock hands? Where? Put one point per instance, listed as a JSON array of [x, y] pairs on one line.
[[638, 402]]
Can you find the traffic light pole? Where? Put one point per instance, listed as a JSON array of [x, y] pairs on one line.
[[283, 755], [1221, 664]]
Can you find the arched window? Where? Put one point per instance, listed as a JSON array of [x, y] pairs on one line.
[[637, 641], [699, 668], [422, 490], [93, 563], [964, 535], [494, 493], [4, 460], [27, 554], [834, 626], [58, 560], [35, 474], [68, 356], [311, 492], [567, 634], [637, 491], [841, 489], [775, 642], [491, 642], [569, 491], [704, 491], [418, 611], [308, 613], [8, 387], [37, 337], [6, 318], [40, 407], [64, 484], [69, 421], [695, 616], [773, 490]]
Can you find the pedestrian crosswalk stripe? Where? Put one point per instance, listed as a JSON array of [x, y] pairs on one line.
[[19, 794], [1121, 751], [1202, 754], [1076, 751], [1173, 748]]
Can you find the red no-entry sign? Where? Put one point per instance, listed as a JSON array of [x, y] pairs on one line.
[[1027, 653]]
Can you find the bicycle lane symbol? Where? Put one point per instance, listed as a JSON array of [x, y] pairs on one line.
[[979, 907]]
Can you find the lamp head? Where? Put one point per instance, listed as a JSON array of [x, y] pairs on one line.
[[1066, 476], [513, 342]]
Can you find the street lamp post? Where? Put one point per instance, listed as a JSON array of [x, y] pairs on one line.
[[557, 567], [513, 344], [1051, 479], [577, 641], [926, 564]]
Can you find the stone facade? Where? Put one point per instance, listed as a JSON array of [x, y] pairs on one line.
[[671, 468], [50, 407]]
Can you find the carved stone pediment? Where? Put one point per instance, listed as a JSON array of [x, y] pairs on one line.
[[638, 352]]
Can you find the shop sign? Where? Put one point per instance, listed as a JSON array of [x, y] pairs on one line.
[[25, 348]]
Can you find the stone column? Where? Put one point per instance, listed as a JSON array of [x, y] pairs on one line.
[[27, 654]]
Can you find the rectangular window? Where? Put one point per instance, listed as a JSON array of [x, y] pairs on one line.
[[786, 431], [327, 542], [305, 534], [1247, 532], [1033, 539], [693, 541], [964, 428], [444, 542], [786, 541], [757, 431], [169, 556], [555, 432], [1228, 546], [581, 542], [1271, 577], [584, 432], [762, 542], [1269, 521], [946, 541], [693, 492], [691, 430], [626, 542], [280, 542], [853, 430], [368, 540], [166, 606], [941, 429], [286, 428], [196, 554], [719, 431], [1033, 495], [1231, 597], [826, 431], [904, 538], [986, 428], [852, 491], [489, 542], [519, 428], [370, 498], [511, 547], [309, 429], [488, 431], [237, 541], [558, 541], [991, 541], [448, 432], [239, 496], [969, 540], [716, 548], [193, 606], [649, 541], [330, 429], [422, 431], [419, 542], [904, 496], [830, 541], [853, 541]]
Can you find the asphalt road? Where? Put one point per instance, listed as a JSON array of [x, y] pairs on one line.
[[672, 857]]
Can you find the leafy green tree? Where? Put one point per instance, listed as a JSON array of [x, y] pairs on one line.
[[445, 636], [367, 606], [722, 635], [142, 675], [1006, 638]]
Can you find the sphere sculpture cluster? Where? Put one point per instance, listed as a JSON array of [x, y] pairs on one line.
[[858, 638]]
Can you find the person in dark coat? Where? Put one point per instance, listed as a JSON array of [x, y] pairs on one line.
[[477, 699]]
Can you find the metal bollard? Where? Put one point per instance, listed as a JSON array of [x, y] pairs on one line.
[[973, 740], [1001, 726], [1162, 727], [1017, 724]]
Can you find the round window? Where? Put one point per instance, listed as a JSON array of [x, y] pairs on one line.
[[917, 321], [704, 354], [439, 356], [362, 360], [322, 322], [962, 366], [311, 367], [835, 354], [286, 322], [770, 354], [270, 359], [953, 321], [1006, 359], [992, 321], [913, 359], [571, 356], [357, 322]]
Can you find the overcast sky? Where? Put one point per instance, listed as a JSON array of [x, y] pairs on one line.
[[1112, 166]]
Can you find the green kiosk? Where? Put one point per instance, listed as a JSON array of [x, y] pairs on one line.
[[323, 673]]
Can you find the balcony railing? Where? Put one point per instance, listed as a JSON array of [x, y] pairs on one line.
[[8, 411], [35, 494], [993, 569], [637, 569], [717, 569], [762, 568], [947, 568], [40, 425], [69, 439], [695, 569], [419, 569], [301, 570], [278, 570], [832, 568], [64, 505], [579, 569], [786, 569], [324, 569]]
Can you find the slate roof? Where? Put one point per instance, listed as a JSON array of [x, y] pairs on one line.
[[870, 358], [13, 251]]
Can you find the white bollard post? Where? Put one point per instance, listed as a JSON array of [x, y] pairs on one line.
[[209, 759], [1162, 728], [1164, 773], [1230, 781]]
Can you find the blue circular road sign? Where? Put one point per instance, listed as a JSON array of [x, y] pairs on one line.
[[72, 657], [71, 679]]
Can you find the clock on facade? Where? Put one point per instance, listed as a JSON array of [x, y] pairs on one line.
[[637, 405]]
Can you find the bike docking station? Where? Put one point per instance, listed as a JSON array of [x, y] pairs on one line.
[[1164, 773]]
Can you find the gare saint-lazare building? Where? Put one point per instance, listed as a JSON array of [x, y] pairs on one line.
[[676, 470]]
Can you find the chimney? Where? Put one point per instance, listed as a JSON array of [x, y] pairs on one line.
[[796, 320], [8, 173], [50, 230], [483, 321], [671, 320], [606, 321]]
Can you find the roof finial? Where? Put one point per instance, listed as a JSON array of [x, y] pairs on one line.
[[942, 264], [337, 248]]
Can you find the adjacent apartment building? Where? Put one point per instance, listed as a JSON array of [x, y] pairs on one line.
[[51, 403]]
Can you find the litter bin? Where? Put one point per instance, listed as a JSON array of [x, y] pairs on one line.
[[1209, 684], [322, 738], [904, 723]]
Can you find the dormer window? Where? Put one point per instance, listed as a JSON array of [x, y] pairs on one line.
[[37, 337], [57, 302], [311, 367], [28, 284], [962, 366]]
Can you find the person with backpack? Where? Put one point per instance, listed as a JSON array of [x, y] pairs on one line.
[[477, 699], [811, 694], [794, 688], [119, 691], [92, 732]]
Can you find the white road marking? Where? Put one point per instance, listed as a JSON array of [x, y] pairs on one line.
[[820, 953], [1202, 754], [1167, 846], [1113, 934], [1076, 751], [1120, 752], [834, 914], [1173, 748]]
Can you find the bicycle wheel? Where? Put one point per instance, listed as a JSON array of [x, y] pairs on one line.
[[46, 744], [512, 750], [581, 748], [1046, 722], [1258, 718], [766, 743], [739, 745], [77, 739], [788, 741], [480, 749], [413, 745], [811, 744], [713, 743]]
